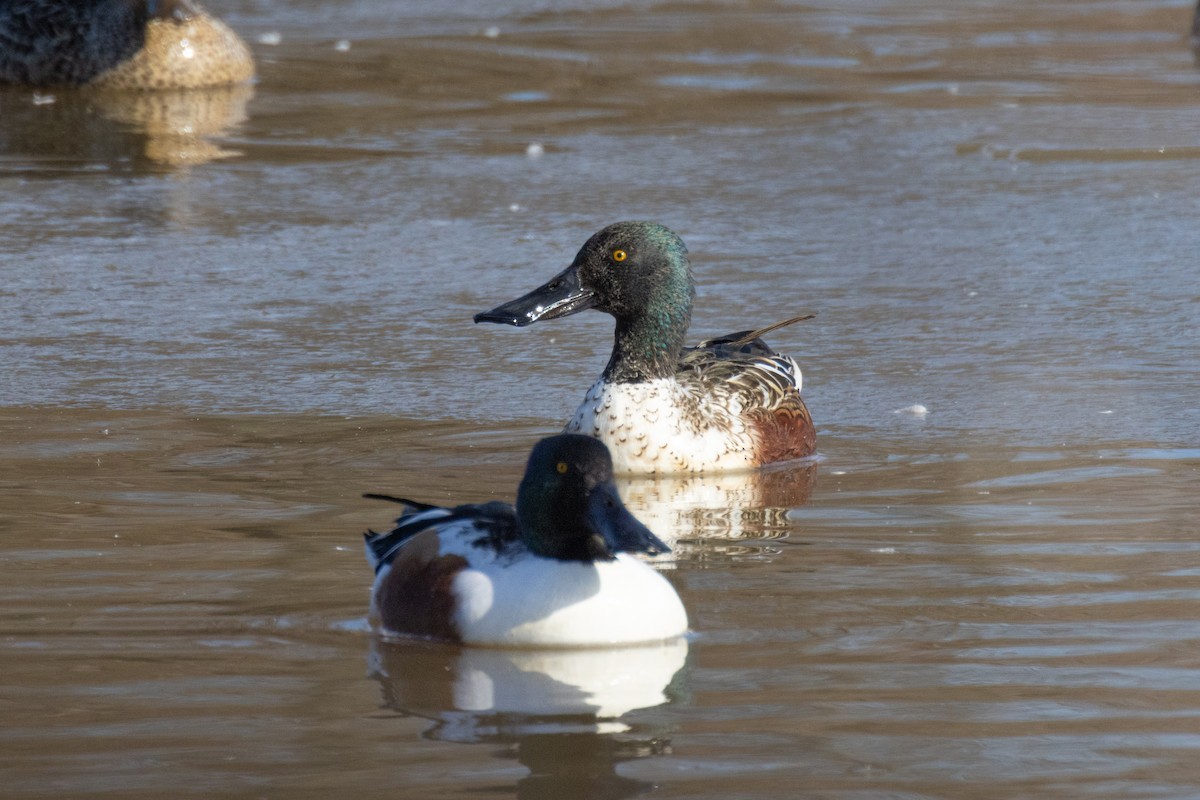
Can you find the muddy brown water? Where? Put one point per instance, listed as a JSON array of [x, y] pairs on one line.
[[225, 316]]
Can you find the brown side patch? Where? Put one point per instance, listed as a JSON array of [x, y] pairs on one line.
[[417, 596], [784, 433]]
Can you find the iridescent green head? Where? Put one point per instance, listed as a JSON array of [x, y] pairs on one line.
[[639, 273]]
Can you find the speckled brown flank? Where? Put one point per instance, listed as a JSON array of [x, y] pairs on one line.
[[784, 433], [417, 596], [183, 54]]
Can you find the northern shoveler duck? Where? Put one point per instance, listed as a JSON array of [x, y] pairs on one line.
[[728, 403], [119, 44], [554, 572]]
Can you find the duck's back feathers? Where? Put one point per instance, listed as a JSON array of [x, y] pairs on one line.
[[66, 43], [743, 365], [495, 525], [751, 369], [748, 342], [741, 371]]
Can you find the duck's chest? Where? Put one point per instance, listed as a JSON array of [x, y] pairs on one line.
[[661, 427], [537, 601]]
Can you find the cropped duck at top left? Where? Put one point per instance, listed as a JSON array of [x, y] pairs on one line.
[[119, 44], [555, 571]]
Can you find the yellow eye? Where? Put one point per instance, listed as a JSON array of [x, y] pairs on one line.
[[619, 255], [561, 467]]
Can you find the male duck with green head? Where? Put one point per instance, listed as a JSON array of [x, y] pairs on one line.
[[730, 403], [555, 571]]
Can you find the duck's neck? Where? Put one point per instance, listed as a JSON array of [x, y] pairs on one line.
[[556, 532], [551, 523], [647, 346]]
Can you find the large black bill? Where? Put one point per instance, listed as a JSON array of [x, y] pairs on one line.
[[561, 296], [622, 531]]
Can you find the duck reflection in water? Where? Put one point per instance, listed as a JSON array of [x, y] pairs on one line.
[[560, 711], [132, 132], [720, 510]]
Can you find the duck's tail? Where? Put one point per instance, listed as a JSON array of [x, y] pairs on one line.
[[750, 336], [413, 504]]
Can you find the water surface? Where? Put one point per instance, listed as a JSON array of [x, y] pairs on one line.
[[213, 341]]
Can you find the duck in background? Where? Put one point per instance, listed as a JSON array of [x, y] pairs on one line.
[[730, 403], [553, 572], [119, 44]]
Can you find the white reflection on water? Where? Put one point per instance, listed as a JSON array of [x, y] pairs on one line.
[[561, 709], [167, 129]]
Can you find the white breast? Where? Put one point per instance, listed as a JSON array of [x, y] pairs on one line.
[[535, 602], [660, 427]]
